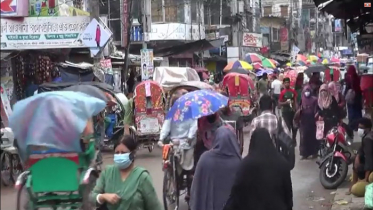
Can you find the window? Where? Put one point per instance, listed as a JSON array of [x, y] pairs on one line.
[[284, 10], [174, 10], [275, 34], [157, 15], [267, 11]]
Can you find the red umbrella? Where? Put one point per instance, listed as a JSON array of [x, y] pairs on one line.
[[301, 57]]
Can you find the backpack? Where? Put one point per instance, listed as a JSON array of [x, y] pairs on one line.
[[285, 144]]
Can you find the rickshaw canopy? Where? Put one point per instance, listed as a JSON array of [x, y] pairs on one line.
[[169, 77], [55, 120]]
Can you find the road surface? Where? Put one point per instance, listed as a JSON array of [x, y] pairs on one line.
[[308, 193]]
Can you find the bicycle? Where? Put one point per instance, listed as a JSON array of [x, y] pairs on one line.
[[173, 182]]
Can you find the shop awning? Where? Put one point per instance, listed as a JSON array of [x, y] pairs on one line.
[[191, 47], [345, 9]]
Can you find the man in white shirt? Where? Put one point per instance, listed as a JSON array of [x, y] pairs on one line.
[[276, 87]]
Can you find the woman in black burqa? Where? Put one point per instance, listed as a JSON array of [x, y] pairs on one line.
[[263, 180], [215, 172]]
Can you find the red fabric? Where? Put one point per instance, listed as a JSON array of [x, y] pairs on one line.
[[287, 90], [98, 34], [353, 79]]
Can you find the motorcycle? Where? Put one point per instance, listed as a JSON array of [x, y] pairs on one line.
[[335, 154], [11, 165]]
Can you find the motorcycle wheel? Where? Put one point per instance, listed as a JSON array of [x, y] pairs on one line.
[[332, 179]]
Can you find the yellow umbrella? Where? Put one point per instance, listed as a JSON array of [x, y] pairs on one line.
[[288, 64], [325, 61], [236, 65], [313, 58]]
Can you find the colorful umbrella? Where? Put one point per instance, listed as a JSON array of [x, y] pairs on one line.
[[292, 75], [257, 66], [236, 65], [262, 71], [325, 61], [301, 57], [288, 64], [253, 58], [313, 58], [196, 104], [268, 63], [274, 61]]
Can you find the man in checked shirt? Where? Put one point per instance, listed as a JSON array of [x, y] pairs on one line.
[[267, 119]]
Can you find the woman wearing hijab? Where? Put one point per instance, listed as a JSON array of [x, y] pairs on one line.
[[263, 180], [308, 106], [335, 90], [215, 172], [328, 109], [354, 100]]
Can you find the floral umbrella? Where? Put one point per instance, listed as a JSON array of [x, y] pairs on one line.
[[253, 58], [292, 75], [301, 57], [237, 65], [196, 104], [268, 63]]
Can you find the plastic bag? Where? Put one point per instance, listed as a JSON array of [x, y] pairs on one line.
[[369, 196], [320, 130]]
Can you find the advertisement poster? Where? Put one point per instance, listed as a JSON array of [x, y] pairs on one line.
[[42, 32], [338, 25], [147, 65], [252, 40], [106, 65], [6, 109], [48, 8], [95, 36], [14, 8]]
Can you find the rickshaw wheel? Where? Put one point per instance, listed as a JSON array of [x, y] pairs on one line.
[[6, 168], [17, 167], [170, 191], [87, 204], [23, 198]]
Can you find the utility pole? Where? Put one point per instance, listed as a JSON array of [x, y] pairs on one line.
[[126, 56], [290, 33], [146, 21], [317, 31]]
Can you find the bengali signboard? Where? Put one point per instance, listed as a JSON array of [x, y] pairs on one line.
[[43, 32], [125, 21], [252, 40], [147, 64], [14, 8]]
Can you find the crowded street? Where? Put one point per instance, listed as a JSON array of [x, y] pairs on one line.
[[308, 193]]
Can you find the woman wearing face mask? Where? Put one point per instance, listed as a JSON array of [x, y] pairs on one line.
[[124, 186], [308, 105], [328, 109]]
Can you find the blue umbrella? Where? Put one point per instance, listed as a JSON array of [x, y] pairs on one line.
[[196, 104], [55, 120]]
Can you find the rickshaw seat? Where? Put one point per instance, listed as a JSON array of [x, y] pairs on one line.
[[54, 174]]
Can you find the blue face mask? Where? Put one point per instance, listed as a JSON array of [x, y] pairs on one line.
[[123, 161]]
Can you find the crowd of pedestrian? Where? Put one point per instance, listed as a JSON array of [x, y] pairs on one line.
[[222, 179]]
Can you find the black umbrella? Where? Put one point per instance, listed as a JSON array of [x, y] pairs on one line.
[[315, 69], [89, 90]]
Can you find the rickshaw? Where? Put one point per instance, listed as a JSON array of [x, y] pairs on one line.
[[116, 115], [149, 113], [241, 91], [57, 178]]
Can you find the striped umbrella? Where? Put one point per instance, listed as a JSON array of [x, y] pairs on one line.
[[274, 61], [301, 57], [253, 58], [257, 66], [268, 63], [237, 65]]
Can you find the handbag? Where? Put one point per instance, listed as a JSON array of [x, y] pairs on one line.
[[285, 144]]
